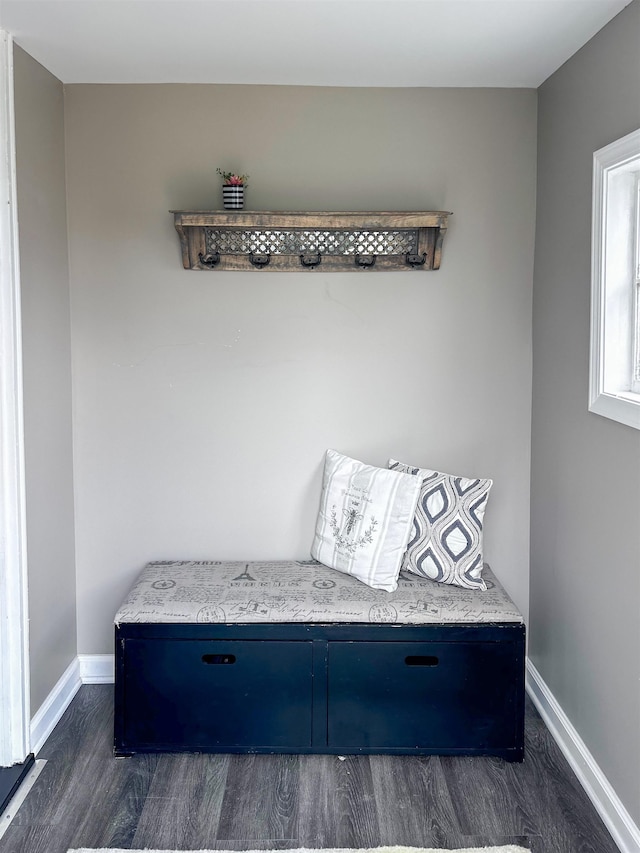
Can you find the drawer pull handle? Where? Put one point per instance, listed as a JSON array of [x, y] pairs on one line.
[[218, 659], [421, 660]]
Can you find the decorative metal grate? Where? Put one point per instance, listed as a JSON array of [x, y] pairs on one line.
[[228, 241]]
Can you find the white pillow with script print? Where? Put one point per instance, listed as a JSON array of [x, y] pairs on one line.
[[365, 520]]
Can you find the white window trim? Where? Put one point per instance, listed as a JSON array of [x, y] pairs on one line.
[[623, 405], [635, 379]]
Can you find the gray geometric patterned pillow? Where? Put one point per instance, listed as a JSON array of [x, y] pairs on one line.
[[446, 542]]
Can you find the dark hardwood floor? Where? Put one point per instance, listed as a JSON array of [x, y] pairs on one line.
[[85, 797]]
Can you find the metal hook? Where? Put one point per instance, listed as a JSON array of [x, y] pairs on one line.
[[259, 260], [415, 260], [209, 261], [311, 261], [365, 262]]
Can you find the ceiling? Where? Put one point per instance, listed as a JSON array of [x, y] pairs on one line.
[[502, 43]]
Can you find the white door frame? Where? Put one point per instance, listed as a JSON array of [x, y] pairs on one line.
[[14, 633]]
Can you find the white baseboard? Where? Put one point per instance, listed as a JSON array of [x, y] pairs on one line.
[[84, 669], [54, 706], [598, 788], [96, 669]]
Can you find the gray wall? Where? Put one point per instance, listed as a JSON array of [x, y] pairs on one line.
[[585, 534], [204, 402], [46, 335]]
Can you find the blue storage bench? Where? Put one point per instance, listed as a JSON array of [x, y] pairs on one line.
[[295, 657]]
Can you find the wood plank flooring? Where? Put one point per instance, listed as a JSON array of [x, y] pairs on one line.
[[86, 798]]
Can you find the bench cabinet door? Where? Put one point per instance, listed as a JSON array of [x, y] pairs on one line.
[[192, 694], [424, 695]]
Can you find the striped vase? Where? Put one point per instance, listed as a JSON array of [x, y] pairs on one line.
[[233, 197]]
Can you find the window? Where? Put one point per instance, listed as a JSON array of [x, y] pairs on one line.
[[614, 387]]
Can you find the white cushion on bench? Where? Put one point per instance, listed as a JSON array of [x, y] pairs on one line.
[[182, 592]]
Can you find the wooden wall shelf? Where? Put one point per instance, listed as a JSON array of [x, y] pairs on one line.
[[295, 241]]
